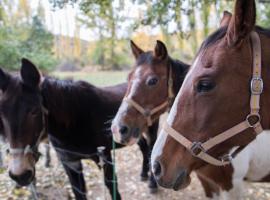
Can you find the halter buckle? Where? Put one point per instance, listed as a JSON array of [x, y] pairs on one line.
[[196, 148], [256, 86], [253, 124]]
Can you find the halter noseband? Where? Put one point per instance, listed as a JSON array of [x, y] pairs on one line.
[[34, 149], [147, 113], [199, 149]]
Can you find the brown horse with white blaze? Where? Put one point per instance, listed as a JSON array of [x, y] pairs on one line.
[[152, 85], [220, 109]]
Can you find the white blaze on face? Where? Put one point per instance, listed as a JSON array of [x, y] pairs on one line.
[[19, 164], [124, 105], [162, 137]]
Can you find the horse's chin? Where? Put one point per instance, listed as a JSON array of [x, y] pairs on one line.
[[25, 183], [127, 142], [181, 183], [132, 141]]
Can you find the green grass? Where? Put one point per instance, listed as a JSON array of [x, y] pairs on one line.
[[101, 78]]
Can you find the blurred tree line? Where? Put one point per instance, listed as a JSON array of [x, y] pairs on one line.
[[181, 24], [23, 34]]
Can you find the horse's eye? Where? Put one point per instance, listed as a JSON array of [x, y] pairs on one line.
[[205, 86], [152, 81]]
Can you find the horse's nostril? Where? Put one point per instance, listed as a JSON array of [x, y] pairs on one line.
[[123, 130], [13, 176], [24, 178], [157, 169]]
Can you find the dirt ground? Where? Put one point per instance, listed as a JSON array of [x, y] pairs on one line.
[[52, 183]]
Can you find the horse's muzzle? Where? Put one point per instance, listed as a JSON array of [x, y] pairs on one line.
[[177, 182], [23, 179]]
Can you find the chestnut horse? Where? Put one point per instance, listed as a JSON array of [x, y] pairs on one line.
[[73, 113], [151, 87], [219, 111]]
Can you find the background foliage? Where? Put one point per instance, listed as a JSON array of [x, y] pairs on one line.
[[181, 24], [23, 34]]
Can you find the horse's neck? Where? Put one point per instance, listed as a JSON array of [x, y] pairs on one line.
[[265, 97], [179, 71], [65, 99]]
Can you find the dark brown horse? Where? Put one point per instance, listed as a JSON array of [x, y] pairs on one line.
[[45, 140], [73, 113], [210, 118]]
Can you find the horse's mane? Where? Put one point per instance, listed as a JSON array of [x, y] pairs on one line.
[[179, 70], [221, 32]]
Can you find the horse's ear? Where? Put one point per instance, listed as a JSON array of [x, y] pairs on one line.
[[135, 49], [4, 79], [225, 19], [30, 74], [160, 50], [243, 21]]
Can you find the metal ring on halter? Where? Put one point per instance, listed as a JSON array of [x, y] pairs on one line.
[[226, 158], [196, 148], [256, 86], [147, 113], [253, 124]]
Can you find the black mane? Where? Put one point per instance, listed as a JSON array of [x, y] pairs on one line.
[[179, 70]]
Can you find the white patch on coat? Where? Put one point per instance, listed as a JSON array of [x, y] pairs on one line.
[[252, 163], [18, 164], [158, 146]]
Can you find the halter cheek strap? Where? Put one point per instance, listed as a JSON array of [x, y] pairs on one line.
[[28, 149], [149, 113], [199, 149]]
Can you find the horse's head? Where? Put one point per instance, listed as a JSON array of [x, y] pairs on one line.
[[214, 97], [150, 89], [23, 120]]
